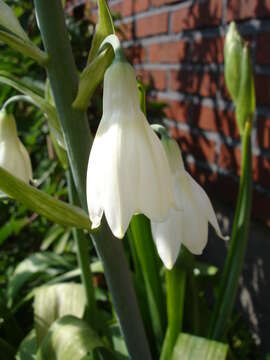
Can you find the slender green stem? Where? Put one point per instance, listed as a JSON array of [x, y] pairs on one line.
[[84, 262], [176, 288], [141, 231], [237, 249], [64, 83]]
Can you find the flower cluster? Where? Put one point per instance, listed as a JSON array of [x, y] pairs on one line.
[[130, 172]]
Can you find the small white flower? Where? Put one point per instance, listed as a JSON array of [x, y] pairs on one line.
[[13, 155], [189, 226], [128, 171]]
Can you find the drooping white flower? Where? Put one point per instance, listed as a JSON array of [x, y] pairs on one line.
[[13, 155], [190, 225], [128, 171]]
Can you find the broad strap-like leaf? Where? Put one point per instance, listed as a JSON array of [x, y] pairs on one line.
[[38, 201], [189, 347], [104, 28], [54, 301], [69, 338]]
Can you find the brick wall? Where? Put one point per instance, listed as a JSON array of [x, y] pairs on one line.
[[178, 47]]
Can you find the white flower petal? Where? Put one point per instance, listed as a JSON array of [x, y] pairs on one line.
[[128, 171], [167, 236], [204, 204], [155, 181], [195, 231]]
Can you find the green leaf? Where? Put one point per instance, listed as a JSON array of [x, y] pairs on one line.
[[9, 21], [13, 226], [69, 338], [91, 77], [28, 347], [34, 97], [25, 47], [6, 350], [55, 210], [53, 302], [104, 28], [189, 347], [32, 267], [142, 237]]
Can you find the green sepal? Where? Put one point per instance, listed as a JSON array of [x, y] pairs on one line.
[[104, 28], [35, 98], [189, 347], [69, 338], [246, 102], [55, 210], [91, 77]]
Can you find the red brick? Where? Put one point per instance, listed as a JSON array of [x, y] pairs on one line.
[[162, 2], [152, 25], [177, 110], [230, 158], [171, 52], [211, 119], [262, 88], [196, 145], [204, 84], [244, 9], [261, 170], [263, 132], [263, 48], [205, 13], [156, 78], [207, 51], [136, 54], [130, 7], [126, 31]]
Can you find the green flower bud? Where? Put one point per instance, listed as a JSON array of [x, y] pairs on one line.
[[233, 49]]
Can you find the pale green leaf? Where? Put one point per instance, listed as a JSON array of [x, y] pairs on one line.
[[104, 28], [25, 87], [28, 347], [189, 347], [55, 210], [53, 302], [25, 47], [69, 338], [9, 21], [32, 267]]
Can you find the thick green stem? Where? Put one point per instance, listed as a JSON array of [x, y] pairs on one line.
[[234, 262], [64, 83], [84, 262], [176, 288]]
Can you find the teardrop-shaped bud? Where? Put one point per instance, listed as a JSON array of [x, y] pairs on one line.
[[13, 155], [233, 49]]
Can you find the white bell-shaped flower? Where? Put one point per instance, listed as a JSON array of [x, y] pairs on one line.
[[13, 155], [190, 225], [128, 171]]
